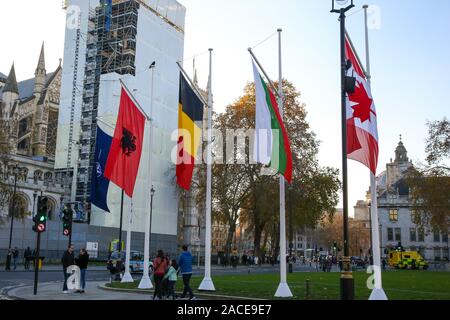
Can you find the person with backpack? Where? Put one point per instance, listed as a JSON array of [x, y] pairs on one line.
[[185, 263], [160, 268], [171, 277]]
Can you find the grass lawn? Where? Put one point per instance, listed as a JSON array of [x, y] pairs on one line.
[[398, 285]]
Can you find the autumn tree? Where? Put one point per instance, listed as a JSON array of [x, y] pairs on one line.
[[438, 141], [330, 231], [430, 197], [430, 184], [314, 189]]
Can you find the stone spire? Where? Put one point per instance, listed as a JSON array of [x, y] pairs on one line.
[[11, 82], [41, 73]]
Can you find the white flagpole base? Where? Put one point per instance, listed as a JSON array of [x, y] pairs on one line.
[[207, 285], [145, 283], [283, 291], [378, 294], [127, 278]]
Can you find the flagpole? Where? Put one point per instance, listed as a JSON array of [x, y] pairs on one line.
[[121, 222], [283, 288], [207, 283], [264, 72], [134, 100], [127, 276], [378, 292], [193, 86], [146, 283]]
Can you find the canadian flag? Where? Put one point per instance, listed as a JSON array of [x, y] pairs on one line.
[[362, 132]]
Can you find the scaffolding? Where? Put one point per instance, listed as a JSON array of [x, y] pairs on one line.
[[107, 51]]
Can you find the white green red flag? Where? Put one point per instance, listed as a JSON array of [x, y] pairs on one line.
[[362, 132], [272, 145]]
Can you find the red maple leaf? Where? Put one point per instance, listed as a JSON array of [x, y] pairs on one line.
[[363, 107]]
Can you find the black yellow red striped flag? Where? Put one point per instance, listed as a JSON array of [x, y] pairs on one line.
[[190, 117]]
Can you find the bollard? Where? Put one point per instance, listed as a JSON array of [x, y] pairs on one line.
[[307, 289]]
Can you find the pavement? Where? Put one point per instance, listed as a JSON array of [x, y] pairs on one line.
[[53, 291]]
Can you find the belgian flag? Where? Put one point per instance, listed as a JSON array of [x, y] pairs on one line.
[[190, 119]]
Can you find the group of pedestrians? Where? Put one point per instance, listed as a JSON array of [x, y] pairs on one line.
[[165, 275], [68, 259], [12, 258]]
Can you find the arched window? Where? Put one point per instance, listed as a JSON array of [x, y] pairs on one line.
[[21, 206], [23, 145], [37, 175], [51, 209], [48, 177], [23, 174]]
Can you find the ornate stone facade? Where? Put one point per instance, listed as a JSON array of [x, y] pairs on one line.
[[29, 120], [29, 111]]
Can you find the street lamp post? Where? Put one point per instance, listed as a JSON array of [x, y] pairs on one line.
[[347, 281], [12, 211], [152, 194]]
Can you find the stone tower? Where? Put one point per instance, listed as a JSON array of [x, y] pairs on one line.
[[396, 169], [39, 135], [8, 113]]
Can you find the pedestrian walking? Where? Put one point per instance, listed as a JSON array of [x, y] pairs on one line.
[[15, 257], [171, 277], [160, 265], [185, 264], [9, 259], [27, 258], [82, 263], [384, 263], [68, 259]]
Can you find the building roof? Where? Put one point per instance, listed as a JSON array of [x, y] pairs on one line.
[[26, 87], [2, 76], [11, 82]]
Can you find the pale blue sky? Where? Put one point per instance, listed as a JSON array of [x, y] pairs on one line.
[[409, 60]]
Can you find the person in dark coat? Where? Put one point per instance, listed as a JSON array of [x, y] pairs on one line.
[[82, 262], [15, 257], [27, 258], [68, 259]]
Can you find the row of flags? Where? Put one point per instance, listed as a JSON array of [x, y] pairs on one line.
[[117, 158]]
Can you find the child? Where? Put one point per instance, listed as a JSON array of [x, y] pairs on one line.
[[171, 276]]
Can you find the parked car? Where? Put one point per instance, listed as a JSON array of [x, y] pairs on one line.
[[116, 263]]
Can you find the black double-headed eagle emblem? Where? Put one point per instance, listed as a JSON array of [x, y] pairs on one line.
[[128, 142]]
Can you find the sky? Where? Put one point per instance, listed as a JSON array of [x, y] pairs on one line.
[[409, 56]]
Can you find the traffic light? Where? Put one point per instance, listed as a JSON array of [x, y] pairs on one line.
[[67, 220], [335, 246], [40, 220]]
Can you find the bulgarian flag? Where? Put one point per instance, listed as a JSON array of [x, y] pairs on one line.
[[272, 145]]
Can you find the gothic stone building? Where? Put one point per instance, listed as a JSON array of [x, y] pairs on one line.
[[395, 213], [29, 118]]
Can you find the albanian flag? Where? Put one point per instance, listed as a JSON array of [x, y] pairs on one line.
[[125, 154]]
